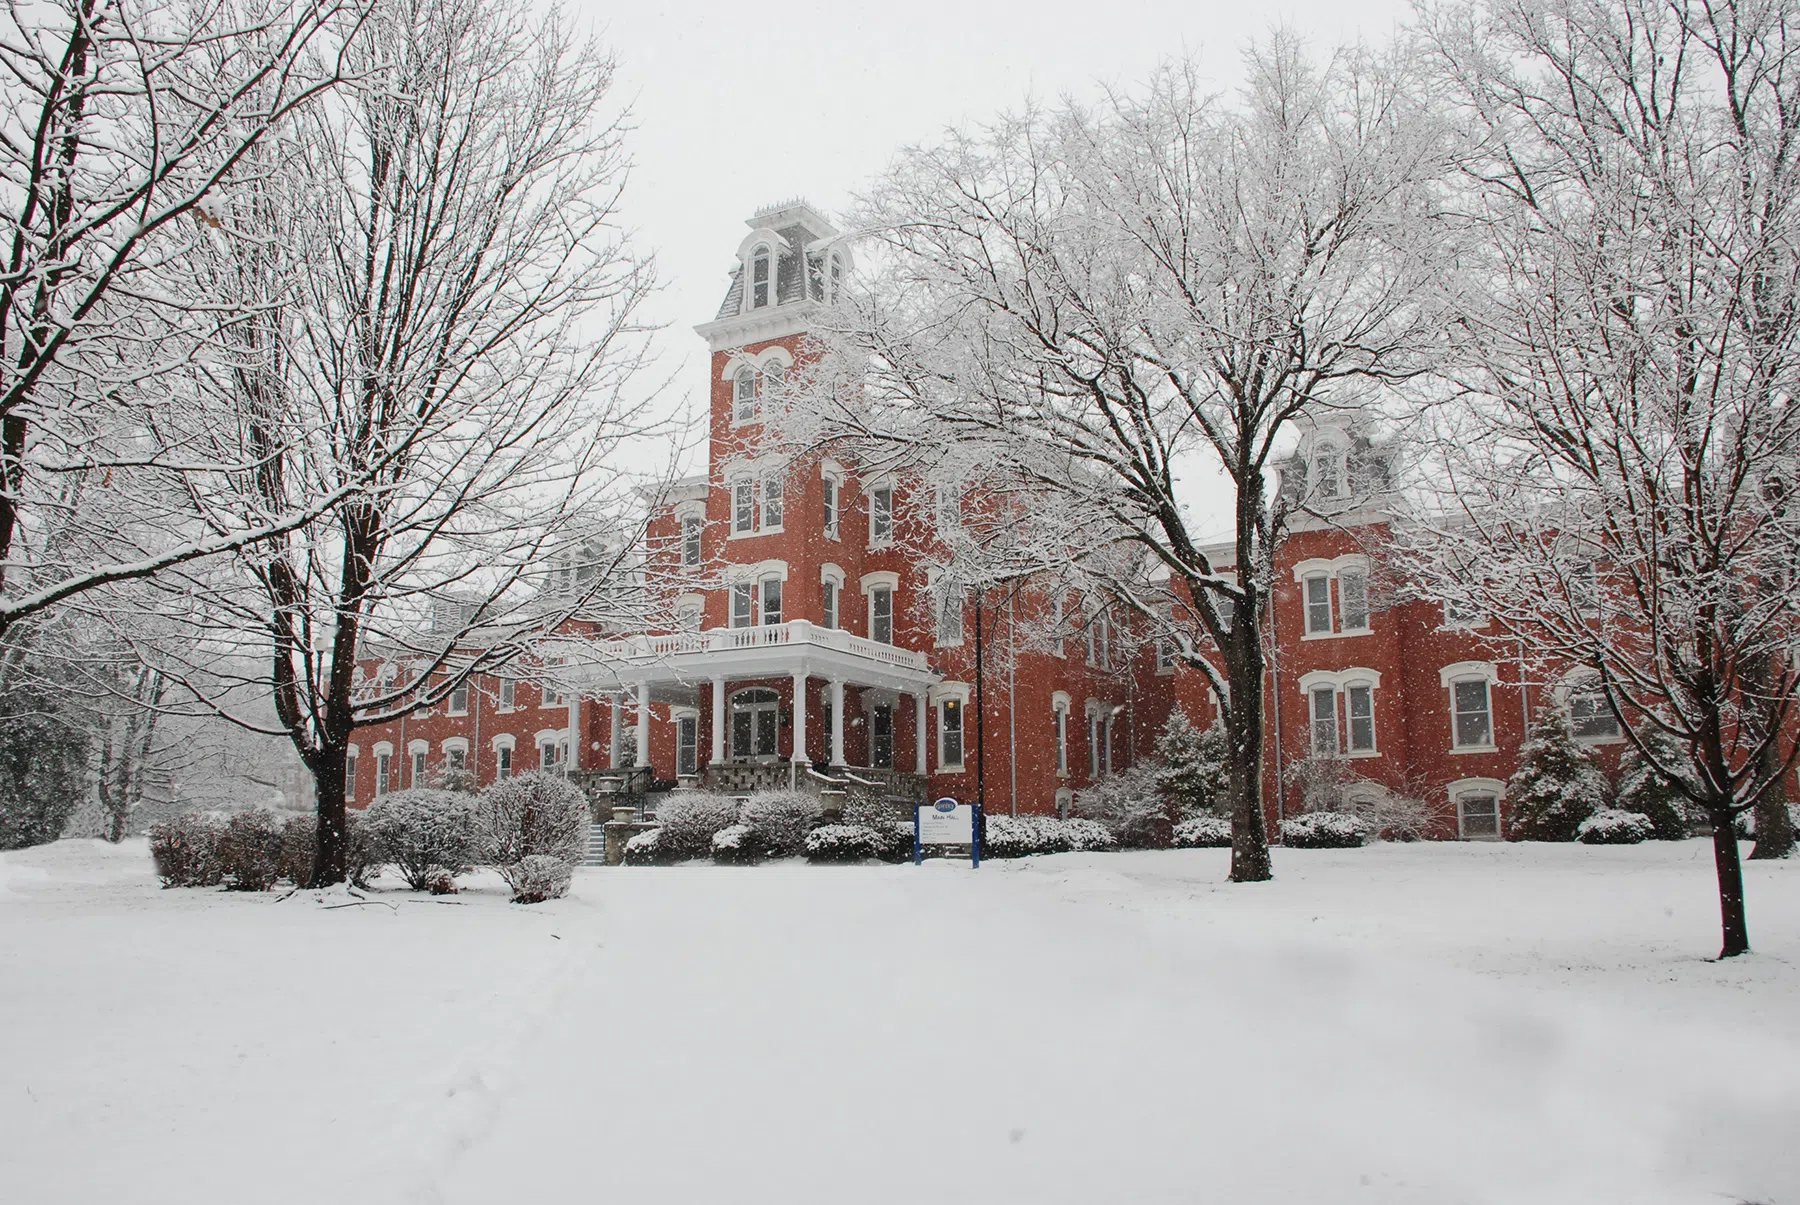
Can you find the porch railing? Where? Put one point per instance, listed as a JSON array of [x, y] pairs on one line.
[[774, 635]]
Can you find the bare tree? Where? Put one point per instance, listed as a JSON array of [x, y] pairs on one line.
[[1088, 303], [1619, 489], [441, 337], [120, 122]]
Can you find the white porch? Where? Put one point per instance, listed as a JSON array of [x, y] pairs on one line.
[[696, 670]]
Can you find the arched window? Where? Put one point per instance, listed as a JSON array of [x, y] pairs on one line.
[[761, 284], [744, 395]]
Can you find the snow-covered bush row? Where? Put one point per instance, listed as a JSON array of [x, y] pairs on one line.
[[1324, 830], [688, 822], [843, 843], [250, 849], [539, 877], [1611, 826], [185, 849], [779, 821], [734, 845], [1203, 832], [645, 849], [1022, 836], [422, 832]]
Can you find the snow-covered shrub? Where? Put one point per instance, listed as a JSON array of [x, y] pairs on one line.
[[1021, 836], [1745, 822], [1645, 791], [894, 840], [249, 850], [1203, 832], [540, 877], [689, 821], [1193, 767], [779, 821], [421, 832], [299, 842], [442, 883], [644, 849], [736, 845], [1130, 806], [1557, 784], [185, 849], [362, 857], [1324, 830], [842, 843], [535, 815], [1611, 826]]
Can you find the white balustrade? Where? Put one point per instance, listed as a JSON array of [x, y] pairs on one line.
[[720, 640]]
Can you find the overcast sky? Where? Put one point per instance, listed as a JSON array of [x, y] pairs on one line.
[[739, 105]]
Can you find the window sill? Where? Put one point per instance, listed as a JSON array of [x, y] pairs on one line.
[[1457, 750], [1338, 635], [1165, 672], [753, 421], [760, 531], [1362, 753], [1600, 740], [880, 545]]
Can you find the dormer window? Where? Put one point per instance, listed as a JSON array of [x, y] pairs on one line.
[[743, 388], [760, 281], [837, 276], [1327, 472]]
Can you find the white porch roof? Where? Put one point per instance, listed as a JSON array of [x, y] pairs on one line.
[[689, 659]]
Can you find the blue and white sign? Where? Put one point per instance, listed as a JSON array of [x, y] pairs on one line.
[[947, 822]]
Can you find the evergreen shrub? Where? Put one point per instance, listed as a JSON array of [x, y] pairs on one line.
[[1611, 826], [1325, 830]]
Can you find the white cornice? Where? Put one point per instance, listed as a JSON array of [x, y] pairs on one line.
[[758, 326]]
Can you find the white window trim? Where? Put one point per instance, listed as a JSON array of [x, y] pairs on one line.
[[1470, 671], [1474, 624], [418, 746], [689, 512], [1340, 681], [737, 574], [829, 572], [1331, 569], [754, 470], [869, 492], [1478, 786], [1060, 707], [834, 473], [468, 691], [505, 740], [940, 694], [869, 583], [381, 747], [452, 743], [1576, 684], [691, 603]]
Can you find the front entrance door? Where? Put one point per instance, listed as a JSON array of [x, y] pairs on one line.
[[881, 737], [754, 716]]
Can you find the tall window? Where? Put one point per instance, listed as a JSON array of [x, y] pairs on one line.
[[743, 505], [881, 614], [1328, 479], [881, 736], [1318, 604], [1359, 701], [418, 768], [1060, 713], [459, 698], [881, 514], [382, 761], [503, 762], [547, 757], [831, 506], [507, 690], [760, 284], [771, 486], [350, 777], [771, 601], [1106, 740], [950, 617], [950, 734], [1473, 720], [1353, 600], [690, 540], [1056, 626], [687, 745], [1093, 744], [1589, 715], [837, 276], [742, 600], [456, 758], [743, 393], [831, 603], [1324, 721]]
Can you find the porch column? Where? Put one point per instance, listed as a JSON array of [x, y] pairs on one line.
[[800, 716], [615, 732], [837, 721], [643, 724], [919, 730], [718, 753]]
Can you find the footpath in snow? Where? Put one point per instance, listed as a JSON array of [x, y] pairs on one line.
[[1431, 1023]]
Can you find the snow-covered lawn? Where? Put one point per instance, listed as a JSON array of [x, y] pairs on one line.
[[1430, 1023]]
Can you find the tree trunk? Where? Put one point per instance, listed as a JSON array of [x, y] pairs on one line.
[[1250, 862], [1774, 828], [330, 860], [1731, 884]]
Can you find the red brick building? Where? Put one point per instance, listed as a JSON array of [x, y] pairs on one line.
[[805, 646]]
